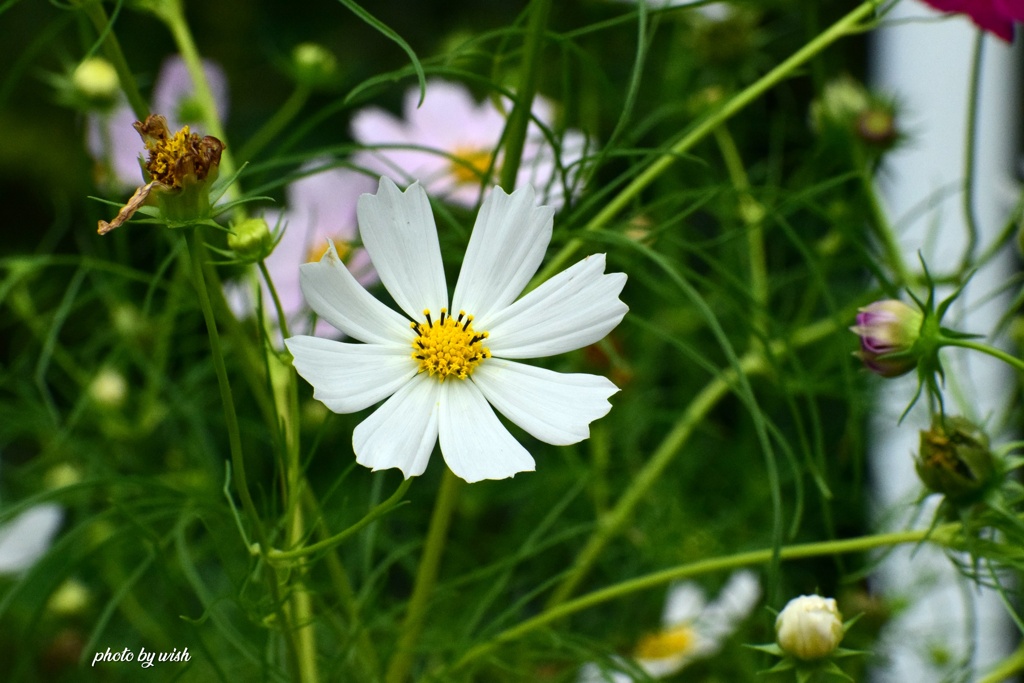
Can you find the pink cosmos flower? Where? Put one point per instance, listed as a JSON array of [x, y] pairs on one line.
[[994, 16], [112, 140], [321, 207], [448, 144]]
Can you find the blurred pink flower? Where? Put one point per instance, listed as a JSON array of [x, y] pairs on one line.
[[448, 145], [320, 206], [994, 16], [112, 140]]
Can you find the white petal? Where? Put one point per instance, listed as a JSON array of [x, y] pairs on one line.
[[26, 538], [350, 377], [403, 431], [399, 233], [334, 294], [577, 307], [684, 603], [555, 407], [505, 250], [738, 598], [474, 443], [593, 673]]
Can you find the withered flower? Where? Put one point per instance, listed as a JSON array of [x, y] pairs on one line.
[[955, 459], [180, 169]]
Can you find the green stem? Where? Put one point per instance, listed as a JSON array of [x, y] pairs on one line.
[[1003, 671], [880, 222], [519, 120], [848, 24], [970, 147], [426, 576], [278, 122], [112, 49], [278, 556], [1013, 361], [752, 214], [196, 250], [282, 319], [942, 535], [173, 15], [608, 526]]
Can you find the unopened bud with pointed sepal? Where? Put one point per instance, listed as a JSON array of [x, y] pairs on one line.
[[809, 627], [955, 459], [251, 240], [888, 331]]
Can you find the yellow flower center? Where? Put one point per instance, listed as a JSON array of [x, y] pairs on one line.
[[449, 346], [165, 153], [468, 166], [669, 643], [318, 249]]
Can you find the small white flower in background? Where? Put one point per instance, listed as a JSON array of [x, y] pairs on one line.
[[448, 145], [112, 139], [809, 627], [321, 206], [445, 369], [26, 538], [692, 628]]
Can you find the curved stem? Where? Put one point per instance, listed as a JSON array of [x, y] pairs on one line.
[[751, 363], [288, 111], [880, 222], [1003, 671], [426, 577], [282, 319], [277, 556], [969, 151], [942, 535], [1013, 361], [845, 26], [752, 214]]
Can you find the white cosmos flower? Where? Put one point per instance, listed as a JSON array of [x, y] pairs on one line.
[[27, 537], [445, 369], [691, 628]]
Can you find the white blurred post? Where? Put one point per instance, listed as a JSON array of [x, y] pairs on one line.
[[926, 64]]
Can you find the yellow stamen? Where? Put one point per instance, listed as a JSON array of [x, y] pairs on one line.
[[318, 249], [470, 165], [669, 643], [449, 346]]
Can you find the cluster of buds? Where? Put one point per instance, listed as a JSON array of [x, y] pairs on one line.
[[181, 167]]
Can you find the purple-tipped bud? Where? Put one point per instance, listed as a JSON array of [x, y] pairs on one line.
[[888, 330]]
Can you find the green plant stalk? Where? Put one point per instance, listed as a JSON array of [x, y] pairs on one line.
[[280, 556], [1013, 361], [880, 222], [970, 148], [282, 319], [173, 15], [426, 576], [195, 250], [1005, 669], [752, 215], [519, 120], [943, 535], [112, 49], [848, 24], [753, 362], [276, 123]]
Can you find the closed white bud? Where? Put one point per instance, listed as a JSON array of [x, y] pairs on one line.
[[96, 81], [809, 627]]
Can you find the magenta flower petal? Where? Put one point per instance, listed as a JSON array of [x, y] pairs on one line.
[[994, 16]]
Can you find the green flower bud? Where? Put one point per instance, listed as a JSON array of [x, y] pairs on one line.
[[313, 65], [955, 459], [251, 240], [96, 83]]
